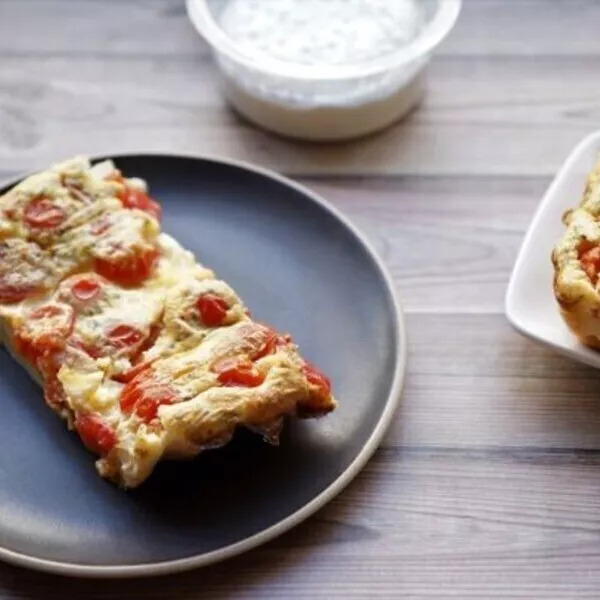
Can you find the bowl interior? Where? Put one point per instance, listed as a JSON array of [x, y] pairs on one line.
[[530, 303]]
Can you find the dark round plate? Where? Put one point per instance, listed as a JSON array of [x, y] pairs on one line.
[[300, 266]]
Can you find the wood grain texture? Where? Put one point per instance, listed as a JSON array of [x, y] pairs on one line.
[[487, 485], [449, 242], [74, 78]]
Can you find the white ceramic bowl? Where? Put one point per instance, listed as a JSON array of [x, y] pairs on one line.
[[530, 303], [324, 102]]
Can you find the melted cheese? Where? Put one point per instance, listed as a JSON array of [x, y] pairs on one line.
[[205, 415]]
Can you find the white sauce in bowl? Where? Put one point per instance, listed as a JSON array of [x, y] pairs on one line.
[[317, 32], [320, 33]]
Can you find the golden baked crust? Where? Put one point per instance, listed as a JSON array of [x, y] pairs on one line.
[[575, 260]]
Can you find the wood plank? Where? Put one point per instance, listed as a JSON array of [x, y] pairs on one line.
[[517, 117], [474, 382], [449, 242], [418, 524], [533, 28], [104, 27], [99, 27]]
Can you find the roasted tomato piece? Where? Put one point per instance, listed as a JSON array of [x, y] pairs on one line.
[[212, 309], [15, 292], [124, 336], [247, 339], [146, 407], [127, 269], [81, 290], [130, 374], [138, 365], [43, 213], [133, 198], [118, 340], [273, 340], [85, 289], [77, 343], [589, 256], [45, 330], [237, 371], [317, 379], [54, 394], [95, 433], [144, 394]]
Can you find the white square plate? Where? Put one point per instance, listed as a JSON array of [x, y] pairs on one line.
[[530, 304]]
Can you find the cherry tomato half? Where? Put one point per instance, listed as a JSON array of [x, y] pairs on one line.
[[45, 330], [95, 434], [590, 261], [212, 309], [272, 340], [131, 373], [130, 269], [124, 336], [317, 379], [133, 198], [86, 288], [144, 394], [237, 372], [42, 213], [11, 292]]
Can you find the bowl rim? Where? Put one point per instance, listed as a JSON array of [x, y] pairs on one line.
[[430, 36]]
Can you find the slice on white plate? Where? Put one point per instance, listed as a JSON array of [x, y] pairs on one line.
[[530, 303]]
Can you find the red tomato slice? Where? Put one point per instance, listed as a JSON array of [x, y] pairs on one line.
[[10, 293], [132, 391], [42, 213], [45, 330], [155, 330], [212, 308], [237, 372], [86, 288], [47, 312], [79, 344], [132, 198], [143, 395], [124, 336], [95, 434], [54, 394], [273, 340], [590, 262], [130, 374], [269, 345], [317, 379], [131, 269], [146, 407], [136, 369]]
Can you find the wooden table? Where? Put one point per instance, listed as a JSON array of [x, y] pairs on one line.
[[488, 483]]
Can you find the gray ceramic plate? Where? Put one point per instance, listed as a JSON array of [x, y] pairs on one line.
[[300, 266]]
